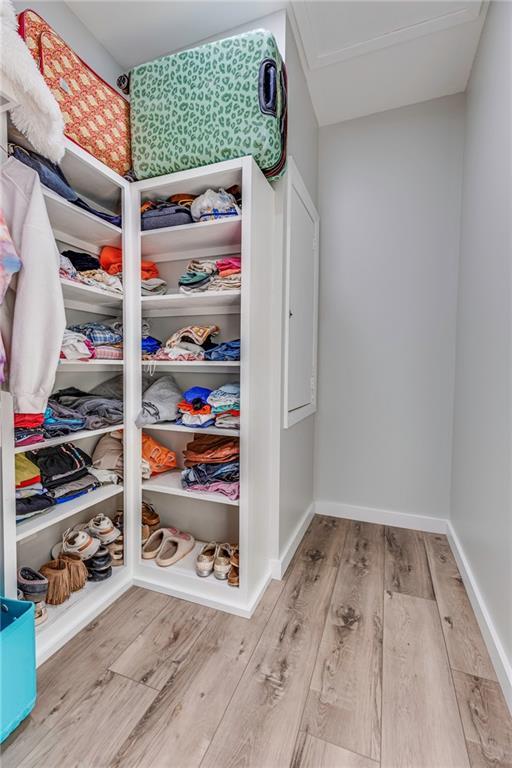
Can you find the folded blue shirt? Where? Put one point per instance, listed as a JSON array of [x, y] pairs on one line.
[[228, 350]]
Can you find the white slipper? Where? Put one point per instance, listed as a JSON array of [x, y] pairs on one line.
[[78, 543]]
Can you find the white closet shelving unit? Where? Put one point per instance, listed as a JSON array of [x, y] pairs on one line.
[[30, 542], [244, 313]]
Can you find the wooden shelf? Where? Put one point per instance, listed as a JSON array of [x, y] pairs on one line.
[[69, 220], [201, 239], [207, 303], [67, 509], [170, 482], [194, 366], [73, 437], [170, 427]]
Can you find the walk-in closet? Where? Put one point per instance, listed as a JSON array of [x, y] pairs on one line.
[[255, 384]]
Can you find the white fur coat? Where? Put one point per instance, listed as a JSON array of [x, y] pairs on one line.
[[36, 114]]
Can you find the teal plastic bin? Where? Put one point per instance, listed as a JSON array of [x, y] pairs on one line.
[[17, 663]]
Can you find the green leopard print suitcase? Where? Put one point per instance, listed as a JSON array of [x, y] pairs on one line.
[[216, 102]]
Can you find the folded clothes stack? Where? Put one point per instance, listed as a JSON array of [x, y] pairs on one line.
[[102, 407], [51, 476], [184, 208], [225, 405], [31, 496], [194, 410], [86, 269], [194, 342], [107, 458], [156, 458], [212, 465], [111, 261], [189, 343], [28, 428], [106, 343], [160, 399], [212, 275]]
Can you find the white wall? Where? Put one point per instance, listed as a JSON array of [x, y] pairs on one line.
[[390, 205], [482, 451], [71, 29], [296, 457]]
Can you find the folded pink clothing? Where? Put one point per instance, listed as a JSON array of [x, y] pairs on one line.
[[231, 490], [105, 352], [182, 351], [232, 262]]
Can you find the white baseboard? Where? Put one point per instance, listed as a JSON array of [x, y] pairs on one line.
[[278, 566], [382, 516], [492, 640]]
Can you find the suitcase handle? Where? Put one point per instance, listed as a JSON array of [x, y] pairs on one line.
[[267, 87]]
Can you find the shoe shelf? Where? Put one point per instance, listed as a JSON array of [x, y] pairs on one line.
[[194, 366], [87, 298], [67, 619], [185, 581], [199, 240], [170, 427], [69, 220], [77, 366], [73, 437], [176, 304], [170, 482], [63, 511]]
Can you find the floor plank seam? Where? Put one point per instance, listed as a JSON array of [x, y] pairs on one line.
[[448, 657], [127, 677]]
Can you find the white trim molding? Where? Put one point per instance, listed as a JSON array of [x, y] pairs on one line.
[[278, 566], [502, 665], [382, 516]]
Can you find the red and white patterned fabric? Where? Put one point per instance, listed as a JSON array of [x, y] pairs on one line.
[[96, 117]]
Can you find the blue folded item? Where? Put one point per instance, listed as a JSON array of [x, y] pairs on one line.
[[228, 350], [209, 473], [53, 178], [150, 345], [209, 423], [197, 393], [53, 423], [97, 333], [75, 495]]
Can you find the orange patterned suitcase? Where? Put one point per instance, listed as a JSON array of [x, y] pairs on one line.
[[96, 117]]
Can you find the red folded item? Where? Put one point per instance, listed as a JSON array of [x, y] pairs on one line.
[[28, 419], [148, 269], [30, 481]]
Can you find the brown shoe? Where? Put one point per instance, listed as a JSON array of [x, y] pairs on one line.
[[150, 517], [234, 571]]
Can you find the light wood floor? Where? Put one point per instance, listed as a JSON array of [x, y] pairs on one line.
[[366, 654]]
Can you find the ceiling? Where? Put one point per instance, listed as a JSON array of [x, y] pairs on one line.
[[366, 57], [359, 57]]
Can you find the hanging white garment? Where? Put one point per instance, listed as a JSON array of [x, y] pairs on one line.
[[32, 317]]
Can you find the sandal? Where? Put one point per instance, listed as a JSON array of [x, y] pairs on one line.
[[150, 517], [222, 564], [116, 550], [175, 545], [234, 571], [103, 528], [76, 542], [103, 575], [206, 558], [41, 614]]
